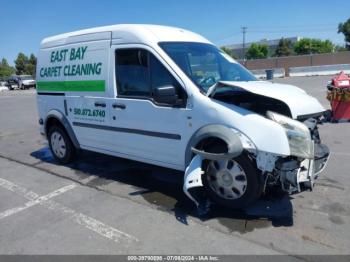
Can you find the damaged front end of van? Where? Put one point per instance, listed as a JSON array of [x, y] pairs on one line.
[[297, 115]]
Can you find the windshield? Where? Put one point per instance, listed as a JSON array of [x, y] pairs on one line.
[[205, 64]]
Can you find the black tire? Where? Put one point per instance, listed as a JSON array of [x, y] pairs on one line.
[[70, 150], [252, 191]]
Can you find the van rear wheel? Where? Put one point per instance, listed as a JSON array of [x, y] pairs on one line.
[[60, 144], [232, 183]]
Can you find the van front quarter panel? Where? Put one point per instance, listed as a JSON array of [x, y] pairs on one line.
[[207, 111]]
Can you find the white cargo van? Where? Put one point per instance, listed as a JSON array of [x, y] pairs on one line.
[[169, 97]]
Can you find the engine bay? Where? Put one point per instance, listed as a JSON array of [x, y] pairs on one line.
[[253, 102]]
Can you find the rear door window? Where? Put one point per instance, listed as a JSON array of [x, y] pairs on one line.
[[132, 72]]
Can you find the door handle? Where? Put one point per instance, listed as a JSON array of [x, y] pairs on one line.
[[120, 106], [97, 104]]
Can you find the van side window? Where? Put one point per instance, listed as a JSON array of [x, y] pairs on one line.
[[132, 72], [139, 73]]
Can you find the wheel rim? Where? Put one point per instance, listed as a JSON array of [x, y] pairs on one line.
[[227, 179], [58, 144]]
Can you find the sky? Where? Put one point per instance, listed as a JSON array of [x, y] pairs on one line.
[[25, 23]]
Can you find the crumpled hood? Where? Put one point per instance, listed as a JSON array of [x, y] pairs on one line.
[[299, 102]]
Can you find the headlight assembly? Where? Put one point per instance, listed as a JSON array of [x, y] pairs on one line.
[[298, 135]]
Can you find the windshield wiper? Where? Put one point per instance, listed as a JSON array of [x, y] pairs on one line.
[[211, 90], [220, 84]]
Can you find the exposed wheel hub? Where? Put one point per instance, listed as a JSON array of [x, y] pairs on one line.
[[224, 178]]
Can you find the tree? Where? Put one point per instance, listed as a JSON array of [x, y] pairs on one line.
[[25, 66], [257, 51], [284, 47], [30, 68], [339, 48], [226, 49], [5, 69], [345, 29], [313, 46], [21, 63]]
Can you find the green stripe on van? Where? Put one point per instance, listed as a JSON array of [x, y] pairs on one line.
[[72, 86]]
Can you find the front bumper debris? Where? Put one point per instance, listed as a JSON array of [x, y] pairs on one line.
[[193, 178], [292, 173], [322, 154], [193, 183]]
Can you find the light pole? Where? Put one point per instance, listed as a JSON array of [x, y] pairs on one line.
[[310, 52], [244, 30]]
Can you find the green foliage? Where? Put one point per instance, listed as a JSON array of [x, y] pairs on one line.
[[339, 48], [345, 29], [257, 51], [20, 64], [5, 69], [228, 51], [25, 65], [31, 66], [284, 48], [313, 46]]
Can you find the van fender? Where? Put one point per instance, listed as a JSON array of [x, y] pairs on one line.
[[58, 115], [194, 171], [229, 136]]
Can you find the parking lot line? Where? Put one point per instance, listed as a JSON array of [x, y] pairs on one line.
[[37, 201], [21, 191], [79, 218]]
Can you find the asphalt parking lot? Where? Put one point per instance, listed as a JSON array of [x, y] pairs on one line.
[[106, 205]]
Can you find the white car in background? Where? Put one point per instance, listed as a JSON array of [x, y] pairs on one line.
[[26, 82]]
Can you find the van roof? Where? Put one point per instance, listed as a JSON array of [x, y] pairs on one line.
[[125, 33]]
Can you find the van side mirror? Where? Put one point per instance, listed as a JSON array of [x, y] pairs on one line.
[[166, 95]]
